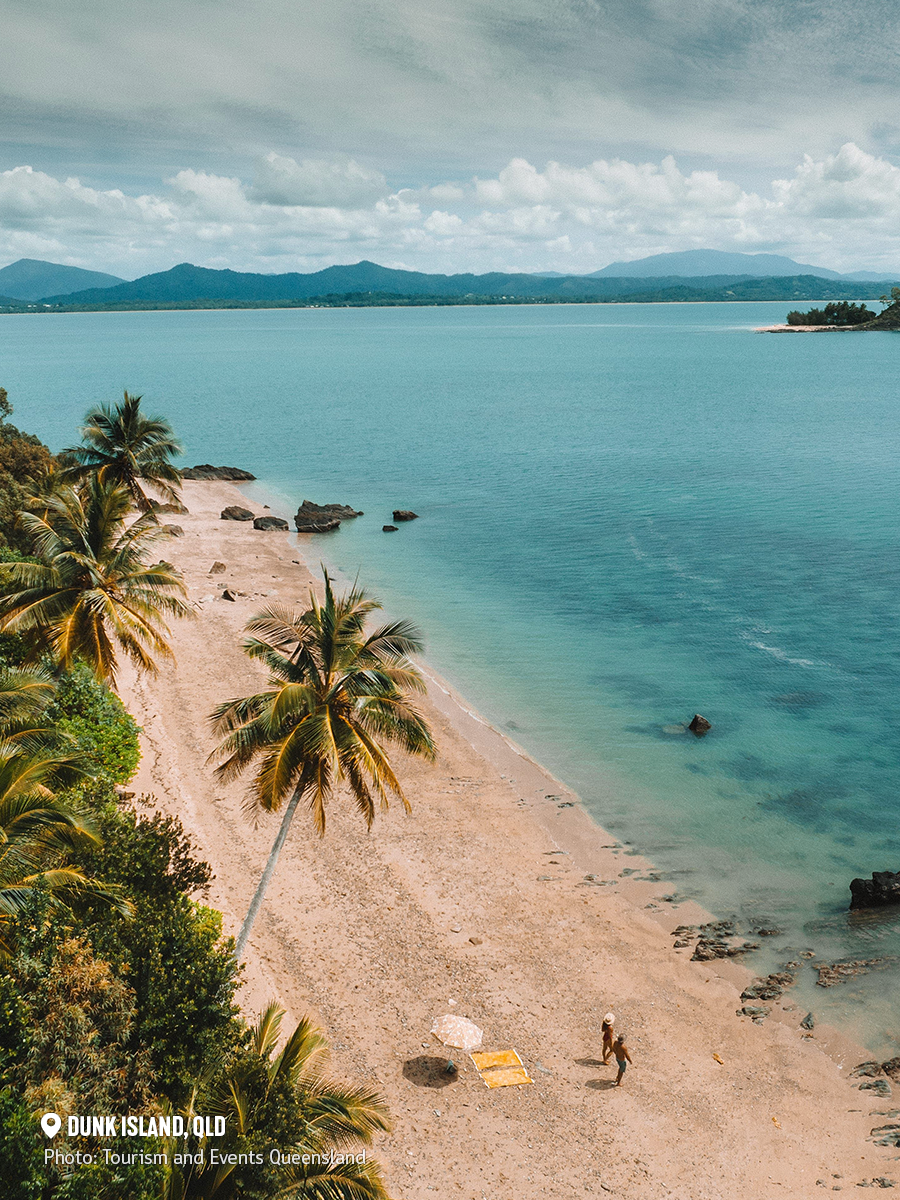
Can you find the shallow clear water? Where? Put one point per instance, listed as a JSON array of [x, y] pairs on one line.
[[628, 514]]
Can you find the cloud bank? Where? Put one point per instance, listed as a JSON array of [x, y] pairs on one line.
[[841, 211]]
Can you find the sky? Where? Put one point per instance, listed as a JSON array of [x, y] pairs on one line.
[[447, 135]]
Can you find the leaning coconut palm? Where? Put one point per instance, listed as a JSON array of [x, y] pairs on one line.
[[283, 1100], [124, 446], [336, 694], [38, 836], [92, 590]]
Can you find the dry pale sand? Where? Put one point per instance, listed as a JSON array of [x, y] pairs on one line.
[[371, 934]]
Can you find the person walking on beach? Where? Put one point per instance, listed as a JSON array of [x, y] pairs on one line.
[[623, 1058], [608, 1036]]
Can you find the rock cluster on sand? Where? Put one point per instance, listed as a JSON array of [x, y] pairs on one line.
[[234, 512], [207, 471], [320, 518], [882, 889], [173, 530]]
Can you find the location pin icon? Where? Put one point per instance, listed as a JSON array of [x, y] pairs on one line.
[[51, 1124]]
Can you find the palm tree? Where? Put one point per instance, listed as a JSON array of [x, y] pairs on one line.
[[335, 695], [92, 589], [319, 1118], [38, 835], [122, 445]]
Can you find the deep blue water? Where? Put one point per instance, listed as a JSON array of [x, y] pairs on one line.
[[628, 514]]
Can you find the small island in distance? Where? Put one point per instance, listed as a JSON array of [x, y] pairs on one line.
[[845, 316]]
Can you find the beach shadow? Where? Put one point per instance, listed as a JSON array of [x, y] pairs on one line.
[[600, 1085], [428, 1071], [590, 1062]]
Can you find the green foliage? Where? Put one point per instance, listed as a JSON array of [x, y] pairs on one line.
[[21, 1158], [835, 313], [172, 954], [104, 731], [24, 464]]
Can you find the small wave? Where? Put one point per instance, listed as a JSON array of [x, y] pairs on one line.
[[783, 656]]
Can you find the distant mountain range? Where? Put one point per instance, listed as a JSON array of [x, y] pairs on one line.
[[32, 279], [661, 277]]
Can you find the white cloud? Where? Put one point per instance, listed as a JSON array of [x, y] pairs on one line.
[[841, 210]]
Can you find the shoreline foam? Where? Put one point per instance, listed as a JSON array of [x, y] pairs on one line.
[[358, 929]]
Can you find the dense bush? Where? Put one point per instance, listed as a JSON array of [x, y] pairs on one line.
[[838, 312], [105, 733], [24, 462]]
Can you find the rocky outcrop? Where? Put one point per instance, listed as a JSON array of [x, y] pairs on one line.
[[320, 518], [699, 725], [389, 529], [234, 512], [173, 530], [155, 506], [207, 471], [405, 514], [270, 523], [834, 973], [882, 889]]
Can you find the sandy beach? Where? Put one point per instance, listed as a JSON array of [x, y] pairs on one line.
[[477, 903]]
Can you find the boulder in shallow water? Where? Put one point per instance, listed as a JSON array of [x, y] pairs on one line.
[[308, 510], [270, 523], [389, 529], [234, 512], [882, 889], [322, 525], [208, 471], [699, 725], [405, 514]]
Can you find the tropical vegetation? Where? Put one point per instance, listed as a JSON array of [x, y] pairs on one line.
[[89, 590], [337, 696], [836, 313], [117, 987], [121, 445]]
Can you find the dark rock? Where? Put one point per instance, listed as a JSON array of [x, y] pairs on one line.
[[270, 523], [808, 1022], [155, 507], [404, 514], [234, 512], [869, 1070], [476, 941], [766, 932], [173, 530], [680, 944], [389, 529], [218, 568], [706, 950], [892, 1068], [228, 594], [310, 511], [325, 525], [763, 989], [755, 1010], [882, 889], [207, 471], [880, 1087], [699, 725], [838, 972]]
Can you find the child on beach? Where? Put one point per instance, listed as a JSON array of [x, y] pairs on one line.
[[608, 1037], [623, 1058]]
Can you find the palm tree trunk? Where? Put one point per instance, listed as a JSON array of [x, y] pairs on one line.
[[259, 894]]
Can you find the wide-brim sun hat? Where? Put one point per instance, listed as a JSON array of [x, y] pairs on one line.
[[609, 1018]]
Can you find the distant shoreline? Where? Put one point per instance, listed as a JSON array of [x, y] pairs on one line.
[[393, 302]]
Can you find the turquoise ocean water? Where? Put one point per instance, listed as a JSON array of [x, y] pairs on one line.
[[628, 514]]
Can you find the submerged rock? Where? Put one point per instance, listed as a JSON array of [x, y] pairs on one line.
[[234, 512], [208, 471], [839, 972], [882, 889], [270, 523], [699, 725]]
